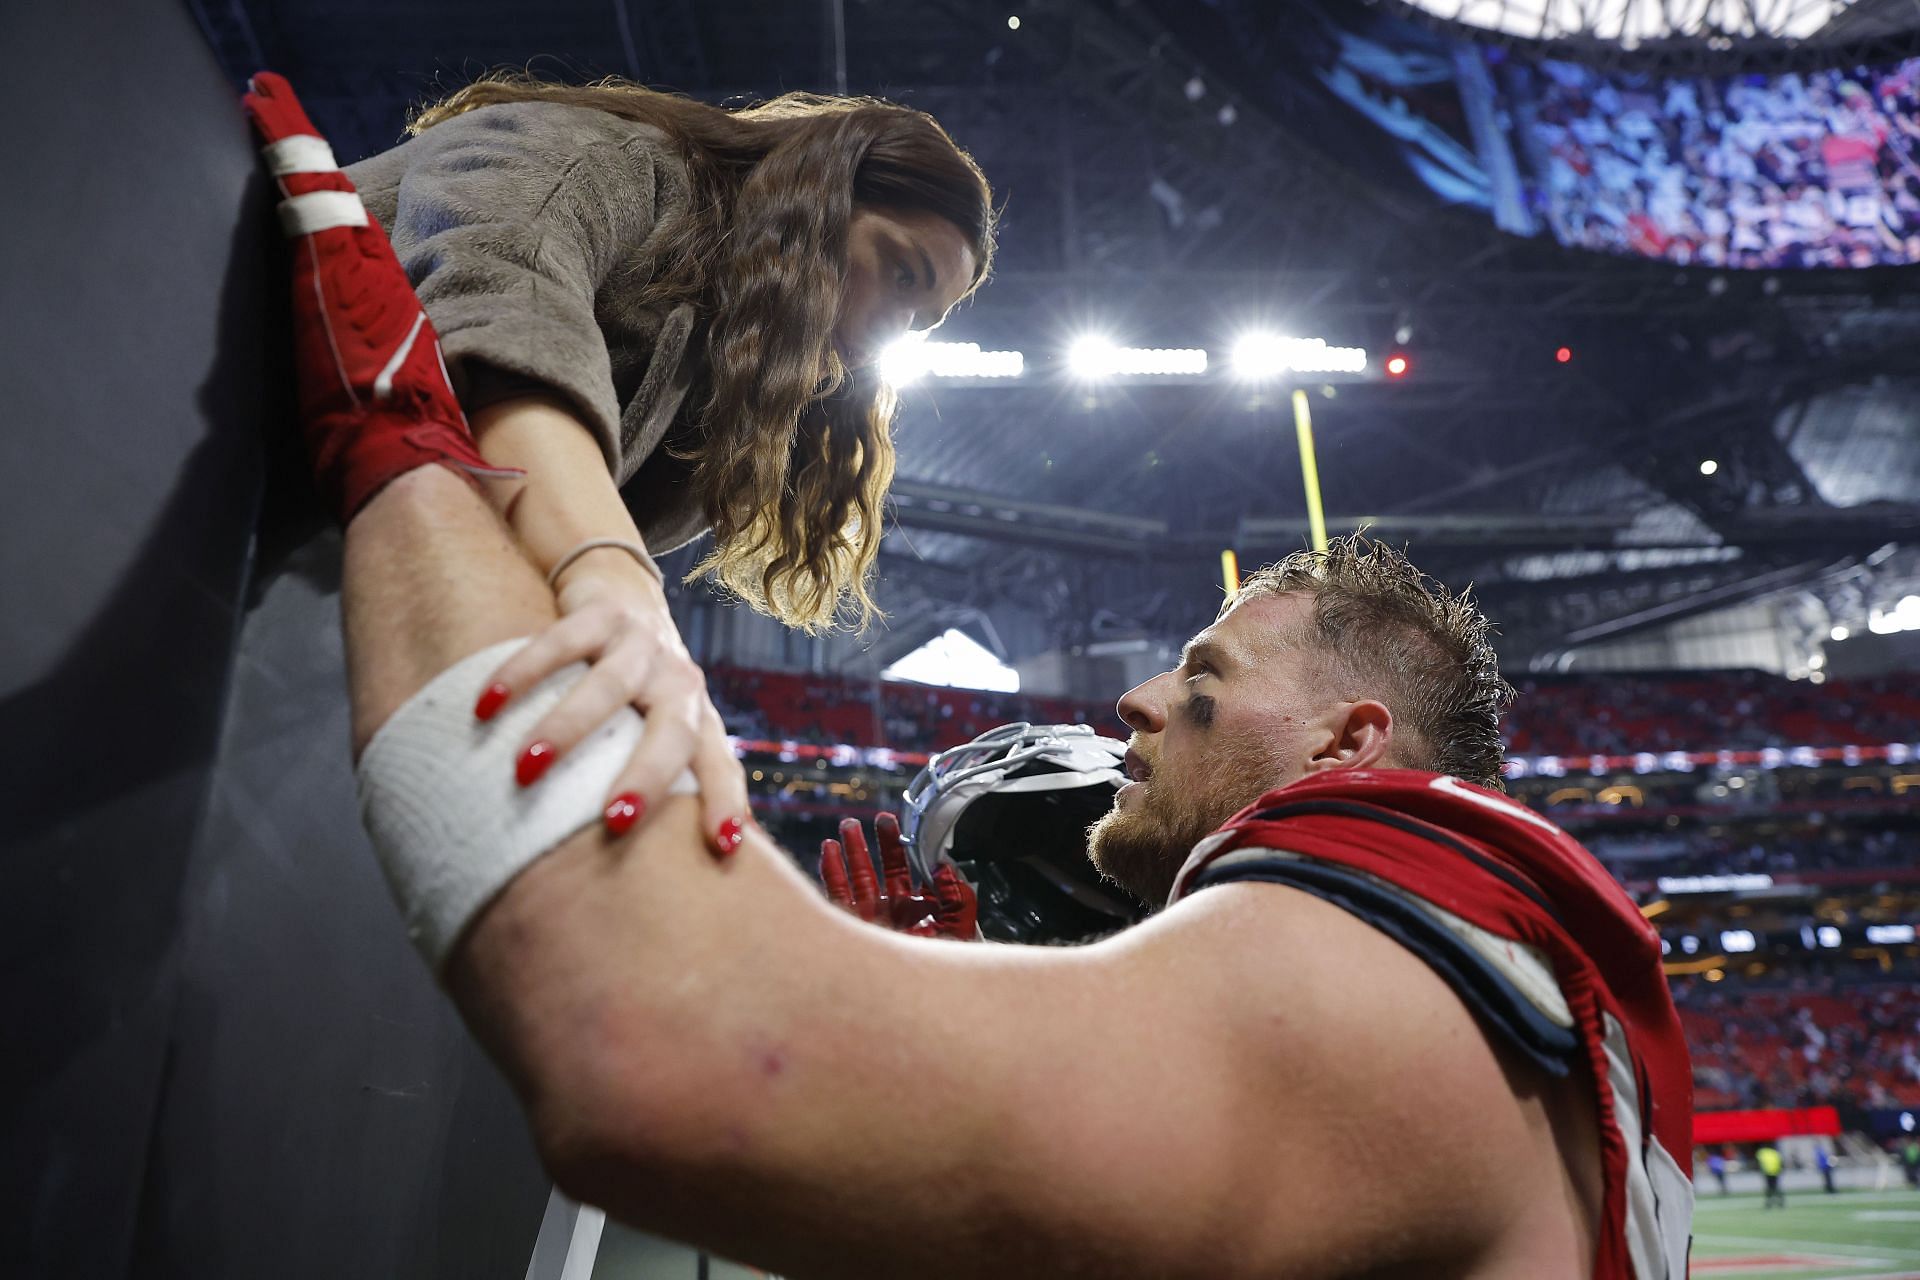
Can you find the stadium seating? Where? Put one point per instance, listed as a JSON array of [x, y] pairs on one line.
[[1702, 712], [1851, 1046], [1569, 716], [833, 710]]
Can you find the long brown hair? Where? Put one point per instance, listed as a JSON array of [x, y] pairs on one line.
[[793, 456]]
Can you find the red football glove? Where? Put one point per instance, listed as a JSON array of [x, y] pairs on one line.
[[374, 398], [951, 911]]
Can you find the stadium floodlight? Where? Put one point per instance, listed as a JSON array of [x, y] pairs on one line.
[[1153, 362], [1096, 357], [1093, 357], [1708, 466], [1258, 357], [1904, 616], [913, 358]]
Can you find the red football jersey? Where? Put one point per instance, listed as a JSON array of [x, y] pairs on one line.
[[1392, 845]]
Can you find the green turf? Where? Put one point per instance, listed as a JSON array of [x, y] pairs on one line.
[[1854, 1235]]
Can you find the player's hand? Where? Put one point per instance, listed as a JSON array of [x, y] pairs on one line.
[[949, 910], [613, 616], [373, 396]]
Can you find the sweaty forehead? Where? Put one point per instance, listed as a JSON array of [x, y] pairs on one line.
[[1261, 625]]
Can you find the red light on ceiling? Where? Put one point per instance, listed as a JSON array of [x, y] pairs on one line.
[[1397, 365], [1564, 355]]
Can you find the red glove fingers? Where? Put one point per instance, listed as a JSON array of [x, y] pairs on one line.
[[906, 907], [866, 888], [958, 915], [833, 875], [275, 111], [373, 392], [949, 908]]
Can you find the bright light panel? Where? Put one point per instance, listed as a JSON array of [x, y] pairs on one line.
[[1094, 358], [1904, 616], [1163, 361], [956, 660], [913, 358], [1259, 356]]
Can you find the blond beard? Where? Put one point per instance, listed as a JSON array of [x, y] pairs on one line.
[[1142, 848]]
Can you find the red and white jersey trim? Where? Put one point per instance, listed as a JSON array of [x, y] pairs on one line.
[[1536, 908], [1659, 1194]]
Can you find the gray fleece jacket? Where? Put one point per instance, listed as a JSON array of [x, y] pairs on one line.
[[528, 230]]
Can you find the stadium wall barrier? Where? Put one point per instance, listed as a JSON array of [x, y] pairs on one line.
[[1765, 1125], [1893, 1122], [223, 1058]]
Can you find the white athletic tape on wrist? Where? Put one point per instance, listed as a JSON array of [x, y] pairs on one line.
[[301, 153], [438, 796], [320, 211]]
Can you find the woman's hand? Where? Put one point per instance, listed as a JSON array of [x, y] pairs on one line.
[[613, 615], [949, 909]]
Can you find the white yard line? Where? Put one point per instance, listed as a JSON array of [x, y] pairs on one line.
[[1873, 1253], [1713, 1203]]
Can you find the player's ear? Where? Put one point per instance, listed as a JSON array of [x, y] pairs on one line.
[[1357, 738]]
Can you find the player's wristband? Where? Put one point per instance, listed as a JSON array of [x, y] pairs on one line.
[[438, 797]]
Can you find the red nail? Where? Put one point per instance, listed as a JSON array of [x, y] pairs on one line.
[[534, 762], [625, 810], [728, 838], [491, 701]]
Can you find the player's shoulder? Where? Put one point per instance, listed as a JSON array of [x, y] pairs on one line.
[[1401, 806], [1317, 1020], [1438, 798], [1320, 995]]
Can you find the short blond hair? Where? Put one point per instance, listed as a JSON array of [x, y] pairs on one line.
[[1406, 640]]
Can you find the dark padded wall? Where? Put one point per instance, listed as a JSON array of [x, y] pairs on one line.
[[219, 1058], [131, 290], [325, 1114]]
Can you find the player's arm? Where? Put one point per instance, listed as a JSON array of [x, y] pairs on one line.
[[1252, 1083]]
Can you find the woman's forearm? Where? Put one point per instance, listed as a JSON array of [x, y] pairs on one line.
[[568, 496]]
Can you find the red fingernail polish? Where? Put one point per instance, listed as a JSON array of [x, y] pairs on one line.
[[534, 762], [728, 838], [491, 701], [626, 809]]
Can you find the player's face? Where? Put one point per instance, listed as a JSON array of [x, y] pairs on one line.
[[1245, 712], [905, 270]]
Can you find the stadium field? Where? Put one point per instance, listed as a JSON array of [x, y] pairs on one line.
[[1854, 1235]]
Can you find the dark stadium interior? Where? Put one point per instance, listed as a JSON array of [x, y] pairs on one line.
[[1680, 474]]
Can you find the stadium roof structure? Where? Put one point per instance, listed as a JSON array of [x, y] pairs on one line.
[[1631, 21], [1154, 196], [1684, 36]]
